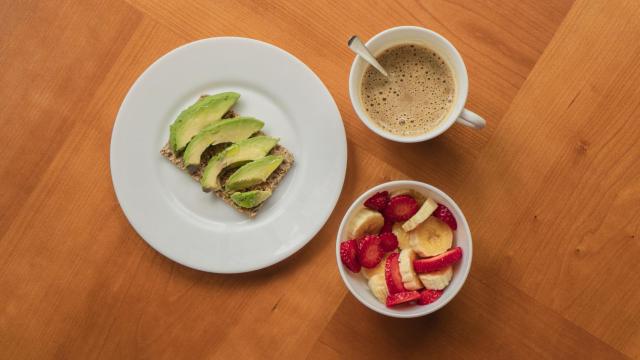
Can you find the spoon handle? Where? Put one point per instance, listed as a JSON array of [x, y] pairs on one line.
[[358, 47]]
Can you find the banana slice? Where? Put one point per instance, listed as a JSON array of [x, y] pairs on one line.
[[437, 280], [365, 221], [379, 269], [431, 238], [423, 213], [410, 279], [378, 286], [400, 192], [403, 237], [413, 193]]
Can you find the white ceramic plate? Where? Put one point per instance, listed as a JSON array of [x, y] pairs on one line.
[[170, 211]]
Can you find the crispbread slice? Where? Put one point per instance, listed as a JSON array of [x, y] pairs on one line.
[[270, 184]]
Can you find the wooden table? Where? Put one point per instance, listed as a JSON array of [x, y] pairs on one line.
[[551, 187]]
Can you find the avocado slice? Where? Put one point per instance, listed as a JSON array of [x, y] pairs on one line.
[[253, 173], [250, 199], [223, 131], [235, 155], [205, 111]]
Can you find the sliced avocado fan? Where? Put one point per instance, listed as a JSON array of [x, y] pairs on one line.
[[235, 155], [223, 131], [250, 199], [253, 173], [204, 112]]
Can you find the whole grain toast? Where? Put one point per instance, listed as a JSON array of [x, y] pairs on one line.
[[270, 184]]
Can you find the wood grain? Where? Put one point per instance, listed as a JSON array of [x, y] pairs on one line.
[[579, 199], [47, 76], [550, 187]]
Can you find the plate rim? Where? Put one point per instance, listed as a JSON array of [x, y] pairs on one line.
[[341, 162]]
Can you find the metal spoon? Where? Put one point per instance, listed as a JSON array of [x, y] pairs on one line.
[[356, 45]]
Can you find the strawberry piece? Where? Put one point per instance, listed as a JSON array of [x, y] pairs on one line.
[[360, 240], [438, 262], [428, 296], [370, 252], [378, 201], [387, 227], [443, 213], [402, 297], [348, 255], [401, 208], [388, 241], [392, 274]]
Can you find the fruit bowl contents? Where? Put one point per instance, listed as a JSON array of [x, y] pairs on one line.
[[402, 243]]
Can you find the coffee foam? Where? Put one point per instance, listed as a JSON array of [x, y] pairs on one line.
[[417, 95]]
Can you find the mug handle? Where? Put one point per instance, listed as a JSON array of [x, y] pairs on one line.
[[471, 119]]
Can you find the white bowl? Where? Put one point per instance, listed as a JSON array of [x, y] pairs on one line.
[[357, 284]]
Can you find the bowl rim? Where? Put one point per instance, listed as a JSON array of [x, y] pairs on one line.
[[466, 260]]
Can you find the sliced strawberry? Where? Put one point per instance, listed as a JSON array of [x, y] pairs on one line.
[[402, 297], [401, 208], [428, 296], [388, 241], [378, 201], [438, 262], [369, 251], [443, 213], [387, 227], [392, 274], [360, 240], [348, 255]]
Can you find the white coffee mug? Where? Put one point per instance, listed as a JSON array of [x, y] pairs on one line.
[[432, 40]]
